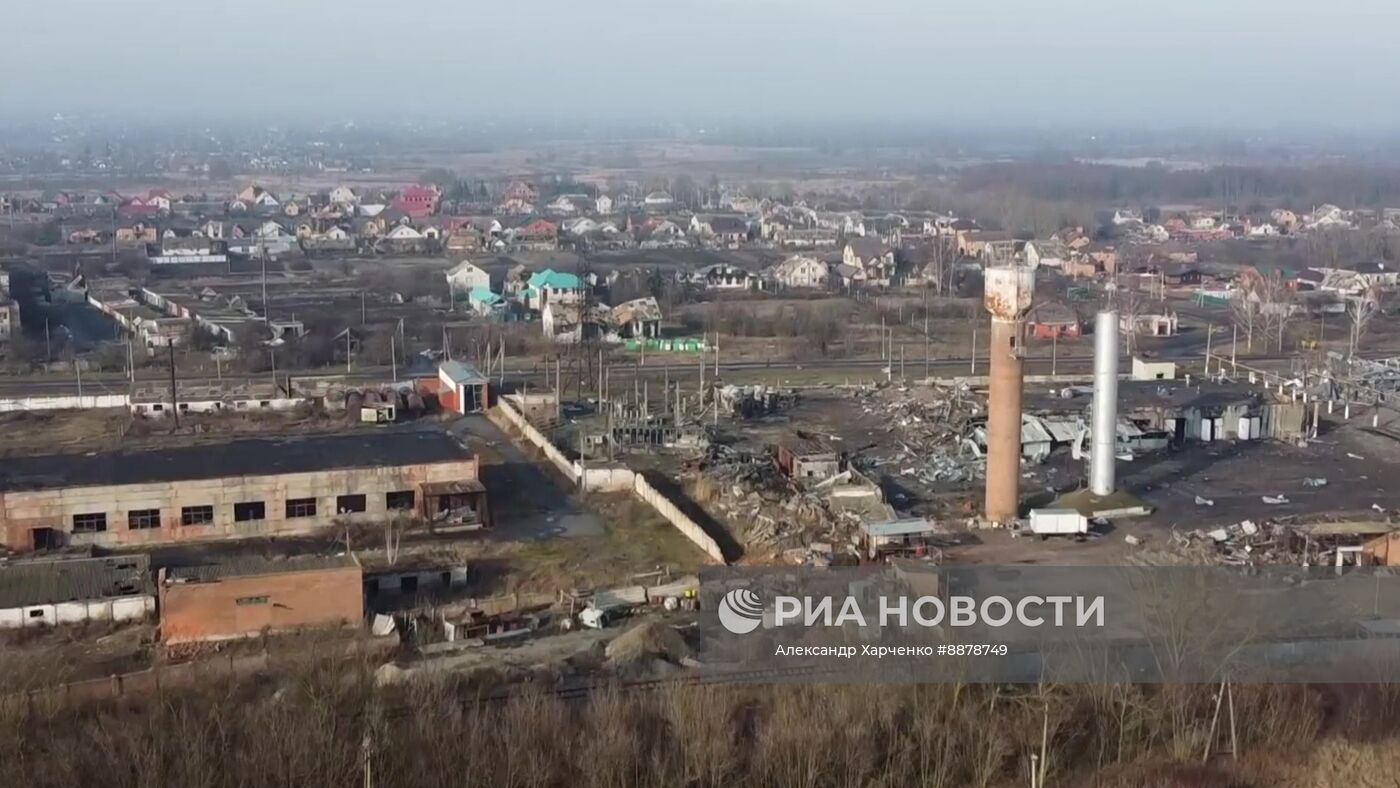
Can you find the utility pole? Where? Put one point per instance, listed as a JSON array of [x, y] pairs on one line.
[[1054, 353], [174, 389], [48, 345], [363, 313], [393, 358], [974, 350], [1210, 332], [347, 350]]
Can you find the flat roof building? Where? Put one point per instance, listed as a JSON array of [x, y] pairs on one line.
[[75, 590], [249, 596], [236, 489]]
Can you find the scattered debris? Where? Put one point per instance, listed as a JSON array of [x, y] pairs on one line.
[[1274, 499], [1204, 501], [1132, 540], [1311, 482]]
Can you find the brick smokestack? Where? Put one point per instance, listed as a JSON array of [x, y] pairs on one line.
[[1008, 292]]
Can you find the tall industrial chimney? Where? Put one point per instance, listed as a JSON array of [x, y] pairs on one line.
[[1008, 292], [1105, 430]]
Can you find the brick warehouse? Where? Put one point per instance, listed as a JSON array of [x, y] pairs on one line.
[[240, 488], [250, 596]]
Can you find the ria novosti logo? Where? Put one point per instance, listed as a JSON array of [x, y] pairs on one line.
[[740, 611]]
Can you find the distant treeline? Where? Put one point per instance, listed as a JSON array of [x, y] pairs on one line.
[[1244, 187]]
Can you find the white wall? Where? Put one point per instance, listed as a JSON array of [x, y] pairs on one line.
[[70, 402], [130, 608]]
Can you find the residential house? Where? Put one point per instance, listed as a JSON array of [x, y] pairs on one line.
[[570, 321], [874, 259], [335, 238], [640, 317], [726, 231], [521, 191], [1124, 216], [807, 237], [1377, 274], [658, 201], [723, 276], [465, 277], [603, 205], [1053, 320], [800, 272], [403, 239], [1286, 220], [579, 226], [344, 196], [977, 243], [1183, 274], [660, 233], [1105, 259], [255, 197], [1051, 254], [484, 302], [544, 287], [417, 200], [569, 204], [847, 277], [138, 233], [539, 234]]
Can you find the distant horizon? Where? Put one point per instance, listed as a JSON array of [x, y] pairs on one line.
[[1241, 66]]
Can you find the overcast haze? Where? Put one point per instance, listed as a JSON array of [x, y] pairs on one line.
[[1198, 62]]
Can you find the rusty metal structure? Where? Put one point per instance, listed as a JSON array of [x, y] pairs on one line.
[[1008, 290]]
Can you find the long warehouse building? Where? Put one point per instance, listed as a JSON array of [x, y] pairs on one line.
[[242, 488]]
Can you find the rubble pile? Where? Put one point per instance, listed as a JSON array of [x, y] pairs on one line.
[[1268, 543], [765, 509], [752, 402], [928, 430]]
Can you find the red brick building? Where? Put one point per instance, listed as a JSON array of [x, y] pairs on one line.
[[1053, 319], [418, 201], [247, 597]]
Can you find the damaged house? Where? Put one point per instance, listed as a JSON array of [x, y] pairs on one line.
[[638, 318]]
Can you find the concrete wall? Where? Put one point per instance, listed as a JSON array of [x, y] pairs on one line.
[[206, 611], [605, 479], [68, 402], [132, 608], [535, 437], [22, 511], [676, 517]]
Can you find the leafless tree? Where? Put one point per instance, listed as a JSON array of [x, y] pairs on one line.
[[1276, 305], [1263, 302], [1131, 303], [1360, 310]]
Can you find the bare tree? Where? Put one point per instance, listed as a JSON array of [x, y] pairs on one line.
[[1360, 310], [1131, 304], [1275, 305]]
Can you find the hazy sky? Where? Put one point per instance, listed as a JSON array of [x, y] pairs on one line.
[[1189, 62]]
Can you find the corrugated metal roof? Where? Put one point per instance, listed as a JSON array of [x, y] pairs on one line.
[[252, 566], [26, 583], [899, 527], [1033, 431], [461, 373]]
